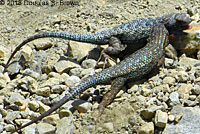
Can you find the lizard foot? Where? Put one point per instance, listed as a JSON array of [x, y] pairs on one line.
[[116, 86]]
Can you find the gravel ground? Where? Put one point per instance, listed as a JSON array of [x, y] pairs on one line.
[[167, 102]]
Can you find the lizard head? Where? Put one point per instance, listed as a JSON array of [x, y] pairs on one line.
[[177, 22]]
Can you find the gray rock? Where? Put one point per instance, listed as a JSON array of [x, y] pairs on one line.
[[1, 128], [190, 103], [149, 113], [79, 50], [146, 92], [64, 66], [43, 44], [169, 63], [44, 91], [82, 106], [155, 81], [29, 72], [43, 107], [63, 123], [33, 105], [86, 72], [169, 80], [54, 75], [196, 89], [174, 98], [108, 127], [50, 82], [164, 88], [192, 97], [59, 88], [89, 63], [188, 61], [3, 51], [146, 128], [188, 124], [17, 99], [9, 127], [76, 71], [45, 128], [13, 68], [28, 83], [72, 81], [26, 52], [171, 51], [51, 119], [171, 118], [161, 119], [182, 76]]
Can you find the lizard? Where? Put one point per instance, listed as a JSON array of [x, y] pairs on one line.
[[133, 67], [119, 37]]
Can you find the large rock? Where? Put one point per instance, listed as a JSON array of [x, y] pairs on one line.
[[188, 124]]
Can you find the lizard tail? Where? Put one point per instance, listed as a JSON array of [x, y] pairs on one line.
[[94, 38], [85, 84]]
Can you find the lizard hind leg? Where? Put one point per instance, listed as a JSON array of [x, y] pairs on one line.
[[116, 86]]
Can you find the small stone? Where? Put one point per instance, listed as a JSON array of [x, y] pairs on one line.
[[43, 107], [51, 119], [82, 106], [190, 103], [171, 118], [64, 113], [174, 98], [185, 89], [28, 83], [43, 44], [161, 119], [13, 68], [196, 89], [59, 88], [54, 75], [89, 63], [29, 72], [164, 88], [169, 80], [178, 117], [3, 51], [17, 99], [75, 71], [182, 76], [146, 92], [188, 61], [87, 72], [12, 115], [45, 91], [33, 105], [64, 66], [79, 50], [146, 128], [169, 63], [61, 126], [108, 126], [72, 81], [9, 127], [50, 82], [192, 97], [1, 128], [149, 113], [45, 128], [26, 52]]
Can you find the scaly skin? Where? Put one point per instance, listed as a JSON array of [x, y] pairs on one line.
[[133, 67], [130, 33]]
